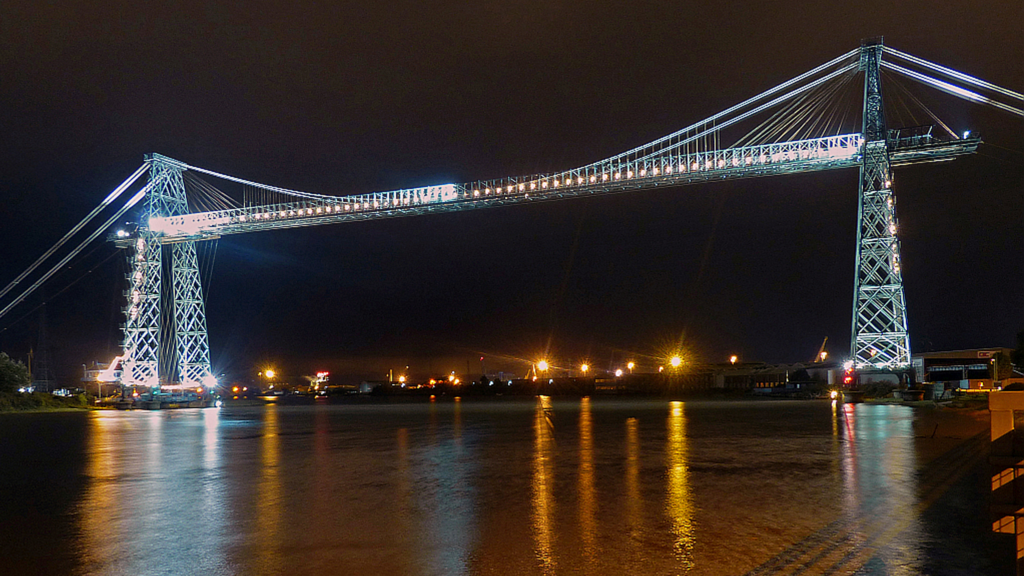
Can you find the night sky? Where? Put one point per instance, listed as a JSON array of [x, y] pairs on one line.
[[361, 96]]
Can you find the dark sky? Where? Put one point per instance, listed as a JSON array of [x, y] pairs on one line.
[[359, 96]]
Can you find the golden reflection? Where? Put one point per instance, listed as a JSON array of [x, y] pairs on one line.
[[457, 422], [268, 505], [588, 524], [543, 486], [634, 504], [100, 506], [680, 500]]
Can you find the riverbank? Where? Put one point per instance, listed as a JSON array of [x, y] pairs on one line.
[[42, 402]]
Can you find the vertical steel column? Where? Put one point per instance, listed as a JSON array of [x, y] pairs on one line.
[[140, 353], [193, 348], [879, 338]]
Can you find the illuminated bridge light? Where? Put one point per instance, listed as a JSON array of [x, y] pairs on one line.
[[618, 175], [556, 183], [654, 171], [509, 189], [643, 172], [604, 177], [668, 169], [579, 180], [629, 174], [476, 192], [544, 184], [693, 166], [533, 185], [319, 210], [593, 179], [522, 187]]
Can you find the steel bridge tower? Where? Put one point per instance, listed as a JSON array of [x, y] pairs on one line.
[[185, 310], [879, 338]]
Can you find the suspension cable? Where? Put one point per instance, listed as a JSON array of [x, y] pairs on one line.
[[754, 111], [954, 74], [131, 202], [952, 88], [106, 202], [735, 108]]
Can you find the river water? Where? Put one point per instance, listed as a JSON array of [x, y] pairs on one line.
[[527, 486]]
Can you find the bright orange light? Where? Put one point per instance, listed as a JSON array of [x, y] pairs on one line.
[[401, 379], [234, 389], [584, 368], [542, 365], [676, 361], [733, 359], [270, 373], [630, 366]]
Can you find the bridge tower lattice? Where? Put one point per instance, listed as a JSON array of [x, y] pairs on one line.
[[879, 337], [145, 317]]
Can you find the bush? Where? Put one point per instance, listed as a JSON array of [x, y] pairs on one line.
[[40, 401]]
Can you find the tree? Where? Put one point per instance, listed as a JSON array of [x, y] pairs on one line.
[[1017, 356], [13, 375], [1003, 369]]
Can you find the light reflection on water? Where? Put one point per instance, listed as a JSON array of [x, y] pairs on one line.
[[679, 501], [546, 487], [543, 486], [586, 495], [269, 503]]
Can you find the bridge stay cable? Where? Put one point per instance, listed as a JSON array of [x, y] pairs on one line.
[[85, 221], [110, 222], [953, 89], [954, 74]]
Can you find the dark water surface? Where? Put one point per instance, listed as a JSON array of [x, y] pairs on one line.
[[536, 486]]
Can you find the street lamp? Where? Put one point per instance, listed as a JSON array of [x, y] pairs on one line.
[[618, 373], [733, 359], [676, 361], [631, 365], [542, 365], [584, 369]]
